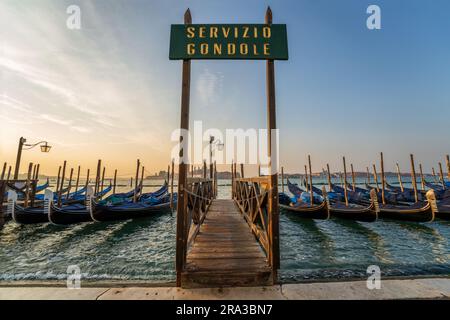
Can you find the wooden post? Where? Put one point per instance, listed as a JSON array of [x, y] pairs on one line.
[[259, 170], [310, 180], [142, 181], [353, 177], [138, 163], [70, 183], [215, 179], [375, 177], [329, 177], [413, 177], [78, 179], [399, 176], [192, 170], [368, 175], [447, 161], [97, 177], [103, 180], [57, 181], [434, 175], [345, 182], [115, 181], [205, 170], [422, 179], [441, 174], [22, 141], [182, 174], [282, 179], [232, 181], [34, 173], [87, 177], [171, 183], [4, 171], [273, 209], [37, 171], [131, 182], [242, 170], [61, 187], [27, 185], [305, 179], [9, 173], [383, 180]]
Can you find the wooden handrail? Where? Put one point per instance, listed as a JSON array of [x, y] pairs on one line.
[[199, 193], [252, 196], [264, 179]]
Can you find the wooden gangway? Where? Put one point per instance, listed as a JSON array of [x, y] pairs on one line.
[[228, 242], [225, 252]]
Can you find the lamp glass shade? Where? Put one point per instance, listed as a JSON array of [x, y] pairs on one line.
[[45, 148]]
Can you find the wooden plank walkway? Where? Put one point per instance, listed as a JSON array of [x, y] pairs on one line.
[[225, 252]]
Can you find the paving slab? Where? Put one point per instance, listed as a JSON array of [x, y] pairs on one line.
[[431, 288], [240, 293], [50, 293], [390, 289]]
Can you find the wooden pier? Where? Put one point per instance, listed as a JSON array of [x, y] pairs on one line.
[[231, 242], [225, 252]]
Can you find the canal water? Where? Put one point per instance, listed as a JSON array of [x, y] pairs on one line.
[[145, 249]]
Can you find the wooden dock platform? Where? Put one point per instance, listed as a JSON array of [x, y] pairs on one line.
[[225, 251]]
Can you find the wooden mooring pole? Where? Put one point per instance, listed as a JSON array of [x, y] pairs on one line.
[[273, 210], [171, 183], [413, 178], [383, 180], [182, 173]]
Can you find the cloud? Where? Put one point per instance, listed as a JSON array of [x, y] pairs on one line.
[[209, 86]]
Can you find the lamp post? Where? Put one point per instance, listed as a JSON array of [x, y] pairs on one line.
[[22, 143], [219, 144]]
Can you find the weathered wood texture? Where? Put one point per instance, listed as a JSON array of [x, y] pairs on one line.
[[225, 252]]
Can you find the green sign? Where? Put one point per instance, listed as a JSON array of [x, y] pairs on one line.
[[228, 41]]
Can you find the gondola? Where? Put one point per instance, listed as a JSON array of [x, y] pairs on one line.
[[443, 209], [418, 212], [130, 210], [76, 213], [21, 190], [304, 209], [39, 214], [355, 211], [440, 192], [353, 196]]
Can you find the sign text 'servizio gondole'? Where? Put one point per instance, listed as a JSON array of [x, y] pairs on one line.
[[229, 41]]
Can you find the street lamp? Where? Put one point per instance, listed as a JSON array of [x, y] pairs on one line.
[[219, 144], [24, 146]]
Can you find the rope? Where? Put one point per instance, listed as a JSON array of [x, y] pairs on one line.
[[258, 196], [197, 196]]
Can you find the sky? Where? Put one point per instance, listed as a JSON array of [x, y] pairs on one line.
[[108, 91]]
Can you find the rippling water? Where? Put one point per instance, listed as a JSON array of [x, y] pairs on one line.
[[145, 249]]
